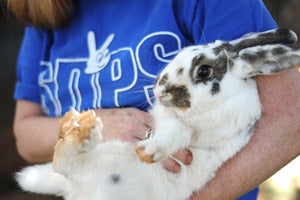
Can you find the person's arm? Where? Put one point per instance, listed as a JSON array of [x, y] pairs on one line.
[[275, 142], [37, 134]]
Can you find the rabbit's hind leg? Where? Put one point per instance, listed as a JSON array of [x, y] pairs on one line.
[[77, 126], [78, 134]]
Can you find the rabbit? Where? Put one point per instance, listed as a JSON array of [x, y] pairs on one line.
[[206, 100]]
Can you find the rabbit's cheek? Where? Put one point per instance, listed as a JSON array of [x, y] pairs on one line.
[[175, 96]]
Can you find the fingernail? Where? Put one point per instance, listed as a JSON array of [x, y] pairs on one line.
[[177, 168], [188, 159]]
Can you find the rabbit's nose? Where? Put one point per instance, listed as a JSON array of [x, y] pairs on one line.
[[165, 98]]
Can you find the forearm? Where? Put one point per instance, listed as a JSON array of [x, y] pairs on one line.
[[254, 164], [35, 134], [36, 139], [275, 143]]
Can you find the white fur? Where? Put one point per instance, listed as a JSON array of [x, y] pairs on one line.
[[214, 128], [41, 179]]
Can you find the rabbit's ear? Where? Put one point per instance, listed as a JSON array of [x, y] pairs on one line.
[[267, 59], [275, 36]]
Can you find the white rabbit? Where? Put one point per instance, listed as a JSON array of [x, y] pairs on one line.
[[207, 101]]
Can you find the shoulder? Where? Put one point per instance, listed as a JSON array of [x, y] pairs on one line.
[[205, 21]]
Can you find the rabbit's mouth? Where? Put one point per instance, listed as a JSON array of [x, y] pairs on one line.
[[175, 96], [166, 100]]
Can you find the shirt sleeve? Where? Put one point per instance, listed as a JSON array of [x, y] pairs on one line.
[[204, 21], [28, 63]]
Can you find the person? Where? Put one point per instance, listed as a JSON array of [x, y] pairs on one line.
[[105, 55]]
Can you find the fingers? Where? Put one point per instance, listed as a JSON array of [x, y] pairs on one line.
[[172, 166], [141, 123], [185, 156], [125, 124]]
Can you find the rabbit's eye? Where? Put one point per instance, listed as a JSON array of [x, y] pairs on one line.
[[203, 72]]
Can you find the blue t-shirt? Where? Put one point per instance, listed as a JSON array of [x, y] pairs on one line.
[[111, 51]]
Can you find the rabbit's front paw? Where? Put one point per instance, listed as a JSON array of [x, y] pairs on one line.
[[151, 151]]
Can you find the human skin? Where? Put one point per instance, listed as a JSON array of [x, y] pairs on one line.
[[37, 134]]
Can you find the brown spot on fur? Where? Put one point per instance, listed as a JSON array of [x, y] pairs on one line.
[[180, 96], [74, 127], [65, 123], [254, 57], [179, 71], [77, 125], [279, 51], [163, 80], [223, 47], [143, 156]]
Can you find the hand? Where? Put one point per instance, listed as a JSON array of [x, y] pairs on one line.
[[126, 124], [131, 124], [185, 156]]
